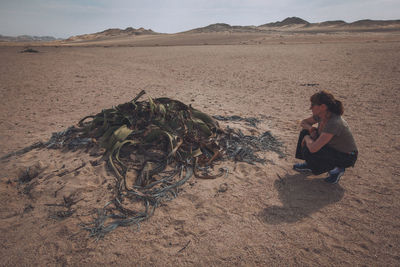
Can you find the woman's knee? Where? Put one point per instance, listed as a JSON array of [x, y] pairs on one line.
[[304, 132]]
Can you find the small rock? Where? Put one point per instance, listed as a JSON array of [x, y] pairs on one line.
[[29, 50], [223, 187], [28, 208]]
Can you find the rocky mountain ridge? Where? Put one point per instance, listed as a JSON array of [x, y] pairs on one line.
[[298, 24], [290, 24]]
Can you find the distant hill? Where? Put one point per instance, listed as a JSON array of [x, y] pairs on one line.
[[290, 24], [374, 23], [287, 22], [111, 33], [26, 38], [223, 27], [298, 24]]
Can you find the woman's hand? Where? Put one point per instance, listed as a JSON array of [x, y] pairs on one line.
[[313, 133]]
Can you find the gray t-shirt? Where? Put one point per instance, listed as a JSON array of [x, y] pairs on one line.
[[342, 139]]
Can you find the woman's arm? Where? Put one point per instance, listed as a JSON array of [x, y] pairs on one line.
[[316, 145]]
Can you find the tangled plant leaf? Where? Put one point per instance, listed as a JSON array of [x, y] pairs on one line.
[[163, 142]]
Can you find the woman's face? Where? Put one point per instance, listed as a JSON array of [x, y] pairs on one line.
[[315, 109], [318, 110]]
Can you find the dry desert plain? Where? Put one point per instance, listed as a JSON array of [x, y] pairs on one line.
[[269, 214]]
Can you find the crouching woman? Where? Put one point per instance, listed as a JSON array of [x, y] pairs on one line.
[[329, 147]]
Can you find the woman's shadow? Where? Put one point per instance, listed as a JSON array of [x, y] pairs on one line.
[[300, 198]]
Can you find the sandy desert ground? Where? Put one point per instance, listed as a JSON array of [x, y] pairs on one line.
[[270, 215]]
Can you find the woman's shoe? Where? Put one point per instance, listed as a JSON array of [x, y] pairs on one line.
[[335, 170], [301, 167], [334, 175]]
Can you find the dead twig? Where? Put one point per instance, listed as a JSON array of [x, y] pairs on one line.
[[187, 244]]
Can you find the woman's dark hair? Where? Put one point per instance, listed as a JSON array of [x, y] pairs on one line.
[[324, 97]]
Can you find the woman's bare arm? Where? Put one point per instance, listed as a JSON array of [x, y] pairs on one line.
[[316, 145]]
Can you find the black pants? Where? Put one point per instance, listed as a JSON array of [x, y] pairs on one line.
[[324, 159]]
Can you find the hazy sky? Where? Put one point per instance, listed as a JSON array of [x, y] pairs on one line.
[[64, 18]]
